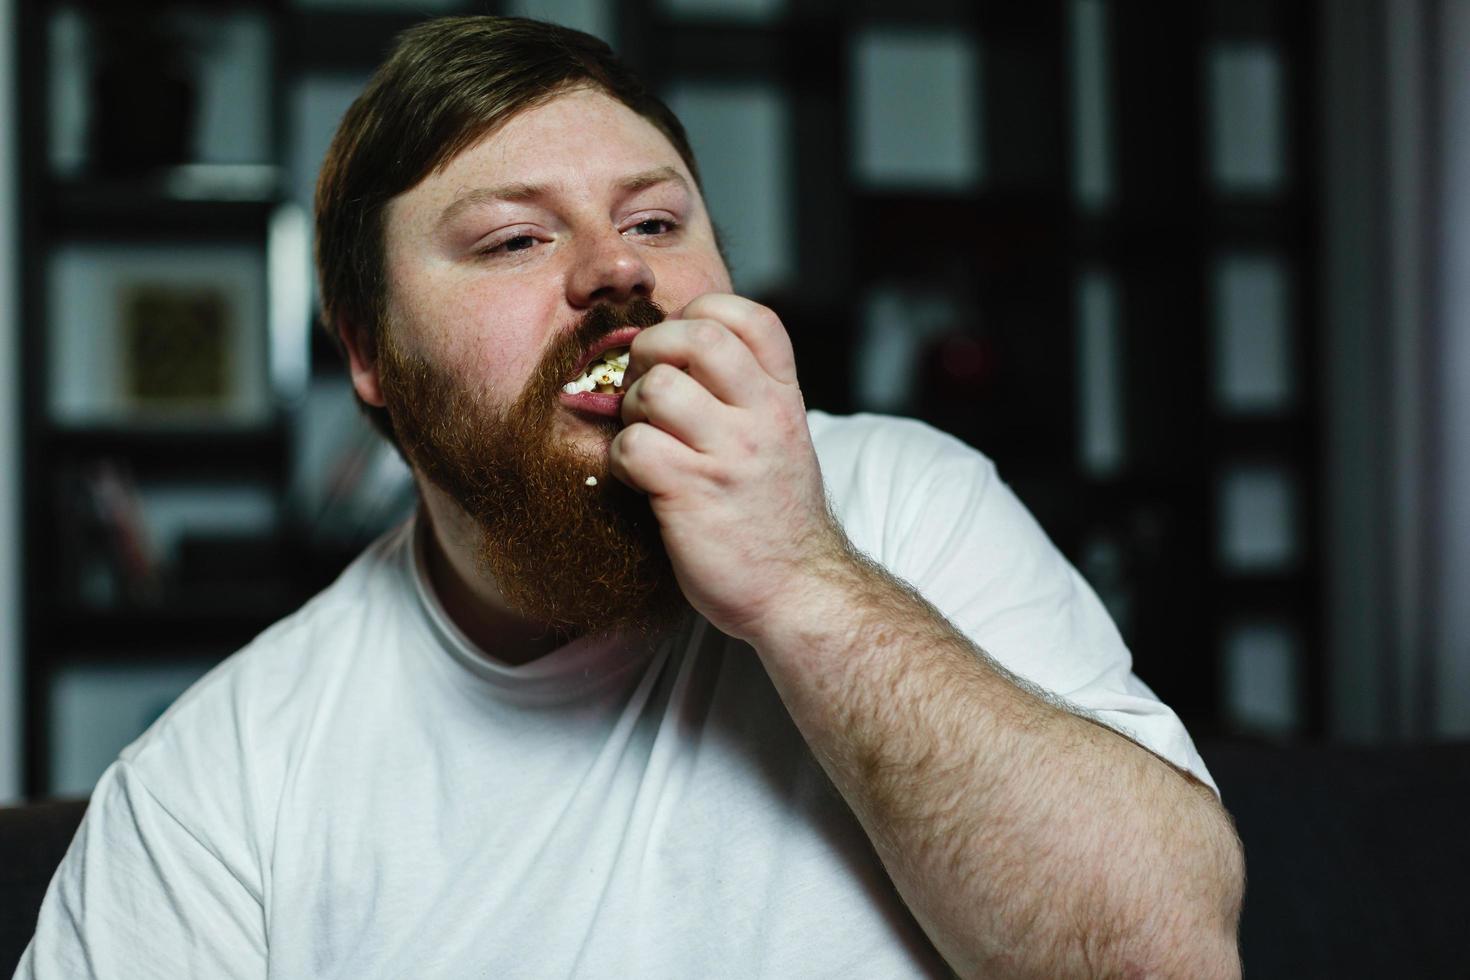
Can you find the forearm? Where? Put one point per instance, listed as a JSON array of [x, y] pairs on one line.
[[1026, 840]]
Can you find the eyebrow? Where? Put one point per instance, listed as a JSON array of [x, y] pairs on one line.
[[516, 191]]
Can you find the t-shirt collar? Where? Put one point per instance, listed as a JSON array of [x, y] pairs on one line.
[[570, 671]]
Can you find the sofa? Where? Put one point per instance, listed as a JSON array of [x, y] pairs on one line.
[[1357, 859], [33, 840]]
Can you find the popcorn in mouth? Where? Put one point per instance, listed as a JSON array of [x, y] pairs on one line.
[[603, 375]]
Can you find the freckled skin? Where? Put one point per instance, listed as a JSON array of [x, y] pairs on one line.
[[729, 470], [492, 316]]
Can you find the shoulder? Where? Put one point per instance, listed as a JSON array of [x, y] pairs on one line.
[[227, 742], [887, 475], [884, 440]]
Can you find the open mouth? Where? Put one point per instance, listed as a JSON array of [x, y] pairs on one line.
[[603, 375]]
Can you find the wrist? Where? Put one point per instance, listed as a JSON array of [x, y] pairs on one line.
[[822, 604]]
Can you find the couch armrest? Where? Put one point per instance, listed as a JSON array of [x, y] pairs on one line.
[[33, 840]]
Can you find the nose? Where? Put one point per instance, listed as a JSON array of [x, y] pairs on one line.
[[608, 269]]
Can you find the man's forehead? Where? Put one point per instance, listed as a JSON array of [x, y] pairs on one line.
[[580, 141], [523, 191]]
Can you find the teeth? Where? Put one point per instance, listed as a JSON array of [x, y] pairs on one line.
[[604, 374]]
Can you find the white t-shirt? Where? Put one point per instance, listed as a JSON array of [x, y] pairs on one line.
[[361, 792]]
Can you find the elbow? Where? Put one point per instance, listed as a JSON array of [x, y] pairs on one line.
[[1198, 948], [1206, 954], [1231, 898], [1203, 941], [1223, 922], [1189, 927]]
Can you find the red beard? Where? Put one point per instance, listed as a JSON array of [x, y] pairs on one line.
[[581, 559]]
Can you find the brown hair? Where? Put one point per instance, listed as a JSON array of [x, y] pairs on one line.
[[445, 85]]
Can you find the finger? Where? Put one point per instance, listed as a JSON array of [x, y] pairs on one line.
[[679, 405], [757, 326], [707, 349], [648, 459]]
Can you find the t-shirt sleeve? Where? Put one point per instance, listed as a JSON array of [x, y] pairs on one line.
[[140, 895], [936, 513]]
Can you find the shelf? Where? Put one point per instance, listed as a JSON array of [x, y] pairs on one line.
[[181, 202], [168, 6], [256, 449], [1272, 592], [992, 231], [186, 628], [354, 41], [1285, 435], [722, 49]]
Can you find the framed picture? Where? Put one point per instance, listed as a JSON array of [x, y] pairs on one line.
[[158, 335], [176, 342]]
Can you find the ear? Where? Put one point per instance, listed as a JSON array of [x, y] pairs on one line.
[[362, 362]]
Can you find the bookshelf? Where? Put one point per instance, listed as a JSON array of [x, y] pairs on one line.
[[1055, 218], [170, 368]]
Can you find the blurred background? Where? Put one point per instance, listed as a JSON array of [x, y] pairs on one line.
[[1195, 275]]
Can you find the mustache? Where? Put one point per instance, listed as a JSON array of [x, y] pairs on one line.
[[567, 351]]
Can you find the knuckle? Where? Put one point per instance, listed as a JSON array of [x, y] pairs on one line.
[[768, 320], [705, 334], [693, 307], [638, 351], [658, 381], [632, 438], [644, 341]]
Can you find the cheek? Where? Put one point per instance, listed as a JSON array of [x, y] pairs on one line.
[[491, 338], [680, 282]]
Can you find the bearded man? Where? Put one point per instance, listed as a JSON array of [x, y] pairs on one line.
[[668, 676]]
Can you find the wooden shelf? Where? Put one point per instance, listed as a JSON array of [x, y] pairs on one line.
[[1287, 436], [1001, 237], [349, 41], [215, 449], [181, 627], [183, 202], [1275, 592]]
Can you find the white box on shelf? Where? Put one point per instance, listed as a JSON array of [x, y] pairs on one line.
[[225, 56], [97, 710], [1258, 526], [740, 135], [745, 10], [917, 102], [595, 17], [158, 335], [1252, 326], [1261, 682], [1092, 104], [1101, 392], [1247, 117]]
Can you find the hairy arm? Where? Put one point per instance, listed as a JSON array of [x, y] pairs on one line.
[[1026, 840]]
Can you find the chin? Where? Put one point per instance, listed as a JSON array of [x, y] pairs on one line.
[[586, 438]]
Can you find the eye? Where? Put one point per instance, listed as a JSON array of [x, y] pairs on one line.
[[648, 228], [671, 227], [517, 244]]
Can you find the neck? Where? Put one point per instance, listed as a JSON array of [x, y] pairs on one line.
[[471, 601]]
